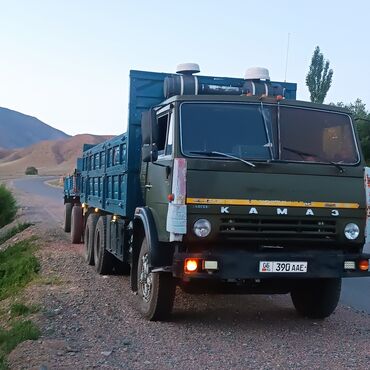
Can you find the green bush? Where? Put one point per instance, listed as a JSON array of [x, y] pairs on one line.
[[8, 206], [31, 171]]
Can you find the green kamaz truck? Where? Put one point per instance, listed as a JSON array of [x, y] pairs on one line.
[[225, 185]]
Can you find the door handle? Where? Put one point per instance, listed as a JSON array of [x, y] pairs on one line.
[[148, 186]]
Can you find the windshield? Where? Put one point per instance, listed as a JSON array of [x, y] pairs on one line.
[[265, 131], [316, 136], [234, 129]]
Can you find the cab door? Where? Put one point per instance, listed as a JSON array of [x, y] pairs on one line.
[[158, 177]]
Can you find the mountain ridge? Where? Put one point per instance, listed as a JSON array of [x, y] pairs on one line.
[[20, 130], [50, 157]]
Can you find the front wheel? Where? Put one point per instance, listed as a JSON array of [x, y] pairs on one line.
[[316, 298], [156, 291]]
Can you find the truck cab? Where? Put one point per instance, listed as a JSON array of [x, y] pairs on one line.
[[272, 199]]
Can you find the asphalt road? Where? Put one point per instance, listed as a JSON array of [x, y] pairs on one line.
[[355, 291], [48, 198], [35, 185]]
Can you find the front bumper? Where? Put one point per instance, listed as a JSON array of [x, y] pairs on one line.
[[240, 264]]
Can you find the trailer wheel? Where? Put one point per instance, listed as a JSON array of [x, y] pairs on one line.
[[89, 237], [67, 217], [316, 298], [156, 291], [76, 224], [103, 259]]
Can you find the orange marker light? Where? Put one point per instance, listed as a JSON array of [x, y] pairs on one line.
[[363, 265], [171, 197], [191, 265]]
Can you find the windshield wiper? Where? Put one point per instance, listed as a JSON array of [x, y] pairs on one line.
[[305, 154], [220, 154]]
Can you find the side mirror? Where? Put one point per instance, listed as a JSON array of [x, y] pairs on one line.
[[149, 152], [149, 127], [149, 134]]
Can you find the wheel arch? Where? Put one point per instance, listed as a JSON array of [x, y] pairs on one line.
[[160, 255]]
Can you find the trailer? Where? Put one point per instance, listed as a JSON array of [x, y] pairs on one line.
[[225, 185]]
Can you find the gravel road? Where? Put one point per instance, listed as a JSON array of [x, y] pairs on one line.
[[90, 321]]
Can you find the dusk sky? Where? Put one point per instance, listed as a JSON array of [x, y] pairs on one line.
[[67, 62]]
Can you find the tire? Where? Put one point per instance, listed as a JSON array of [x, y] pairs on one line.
[[156, 291], [76, 224], [89, 237], [67, 217], [103, 259], [316, 298]]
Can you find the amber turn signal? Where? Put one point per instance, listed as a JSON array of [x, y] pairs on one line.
[[363, 265], [191, 265]]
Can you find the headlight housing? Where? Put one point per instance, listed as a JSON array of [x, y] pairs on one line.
[[202, 228], [351, 231]]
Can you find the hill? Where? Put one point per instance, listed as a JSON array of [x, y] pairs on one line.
[[19, 130], [56, 157]]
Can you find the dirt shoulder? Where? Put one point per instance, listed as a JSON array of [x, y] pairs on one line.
[[90, 321]]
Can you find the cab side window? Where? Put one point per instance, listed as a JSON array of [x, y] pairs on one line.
[[165, 134], [169, 141], [162, 131]]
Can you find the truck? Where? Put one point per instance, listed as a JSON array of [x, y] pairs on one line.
[[227, 186]]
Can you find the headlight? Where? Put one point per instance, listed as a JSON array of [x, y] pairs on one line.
[[351, 231], [202, 228]]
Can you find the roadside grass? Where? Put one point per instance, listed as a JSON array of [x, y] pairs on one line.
[[20, 309], [9, 339], [8, 206], [18, 267], [49, 280], [14, 231]]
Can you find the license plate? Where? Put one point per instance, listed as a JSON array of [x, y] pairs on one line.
[[282, 266]]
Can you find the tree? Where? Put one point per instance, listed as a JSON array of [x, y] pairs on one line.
[[31, 171], [362, 122], [319, 77]]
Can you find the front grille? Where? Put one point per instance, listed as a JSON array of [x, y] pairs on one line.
[[239, 228]]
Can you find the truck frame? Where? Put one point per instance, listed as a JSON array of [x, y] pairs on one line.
[[224, 185]]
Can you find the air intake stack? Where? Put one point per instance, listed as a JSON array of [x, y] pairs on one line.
[[256, 83]]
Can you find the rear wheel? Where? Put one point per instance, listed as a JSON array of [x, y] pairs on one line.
[[103, 259], [316, 298], [67, 217], [156, 291], [76, 224], [89, 237]]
